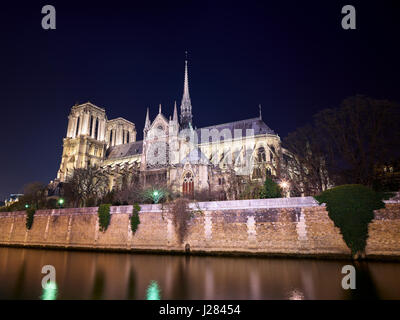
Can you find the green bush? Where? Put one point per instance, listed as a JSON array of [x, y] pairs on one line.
[[351, 207], [270, 189], [30, 213], [104, 216], [135, 217]]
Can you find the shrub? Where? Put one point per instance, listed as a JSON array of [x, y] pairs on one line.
[[351, 207], [270, 189], [104, 216], [29, 217], [135, 220]]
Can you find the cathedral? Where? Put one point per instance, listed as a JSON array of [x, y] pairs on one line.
[[173, 151]]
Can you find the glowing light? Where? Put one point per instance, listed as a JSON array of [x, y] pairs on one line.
[[50, 291], [296, 295], [60, 202], [157, 195], [27, 206], [153, 291], [284, 184]]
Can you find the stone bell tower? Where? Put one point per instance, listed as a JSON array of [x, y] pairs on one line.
[[85, 143]]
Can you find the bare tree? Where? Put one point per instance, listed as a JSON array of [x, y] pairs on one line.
[[360, 135], [34, 195], [129, 190], [305, 162], [344, 145], [86, 185]]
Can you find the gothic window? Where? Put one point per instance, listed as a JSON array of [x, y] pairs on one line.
[[96, 129], [127, 136], [111, 137], [188, 184], [261, 154], [272, 148], [123, 136], [256, 173], [91, 126], [77, 126], [269, 172]]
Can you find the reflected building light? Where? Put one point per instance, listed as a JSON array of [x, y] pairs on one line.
[[296, 295], [153, 291], [50, 291]]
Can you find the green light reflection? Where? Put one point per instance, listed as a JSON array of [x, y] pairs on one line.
[[50, 291], [153, 291]]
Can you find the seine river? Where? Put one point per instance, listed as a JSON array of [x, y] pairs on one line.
[[91, 275]]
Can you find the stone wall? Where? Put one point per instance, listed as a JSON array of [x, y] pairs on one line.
[[288, 226]]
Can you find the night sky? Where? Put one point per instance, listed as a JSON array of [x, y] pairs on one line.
[[294, 59]]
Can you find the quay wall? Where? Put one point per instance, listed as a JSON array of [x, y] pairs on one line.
[[283, 227]]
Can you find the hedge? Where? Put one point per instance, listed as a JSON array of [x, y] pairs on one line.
[[30, 213], [135, 221], [351, 207], [104, 216]]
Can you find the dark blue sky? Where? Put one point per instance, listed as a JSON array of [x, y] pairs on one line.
[[292, 57]]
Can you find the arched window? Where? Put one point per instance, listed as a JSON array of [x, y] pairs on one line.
[[111, 137], [91, 126], [123, 136], [256, 173], [188, 184], [77, 126], [261, 155], [127, 136], [96, 129], [272, 149]]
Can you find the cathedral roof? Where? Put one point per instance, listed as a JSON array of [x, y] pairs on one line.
[[257, 124], [125, 150], [136, 148]]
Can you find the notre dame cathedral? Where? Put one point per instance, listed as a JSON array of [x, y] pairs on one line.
[[173, 151]]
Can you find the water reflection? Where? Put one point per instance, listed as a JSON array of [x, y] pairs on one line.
[[365, 285], [98, 286], [19, 283], [132, 284], [90, 275], [296, 295], [153, 291], [49, 291]]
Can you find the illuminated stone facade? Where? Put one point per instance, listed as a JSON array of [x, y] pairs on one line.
[[173, 151]]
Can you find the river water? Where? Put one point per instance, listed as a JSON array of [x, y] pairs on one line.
[[95, 275]]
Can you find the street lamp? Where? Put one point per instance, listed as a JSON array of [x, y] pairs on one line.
[[285, 187], [26, 206], [60, 202], [284, 184], [156, 196]]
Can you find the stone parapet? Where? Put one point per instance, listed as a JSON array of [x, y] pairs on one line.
[[285, 227]]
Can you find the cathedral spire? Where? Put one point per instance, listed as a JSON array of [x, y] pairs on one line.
[[159, 109], [147, 121], [186, 105], [175, 117]]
